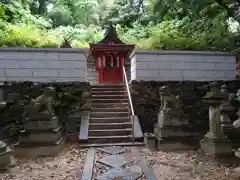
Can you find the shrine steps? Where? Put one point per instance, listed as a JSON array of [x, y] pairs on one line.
[[110, 132], [109, 121], [87, 145], [109, 105], [91, 72], [124, 125], [110, 109]]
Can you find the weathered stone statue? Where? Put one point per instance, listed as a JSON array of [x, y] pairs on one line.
[[42, 105], [172, 129], [236, 123], [5, 152], [234, 134], [215, 142], [169, 102], [42, 127]]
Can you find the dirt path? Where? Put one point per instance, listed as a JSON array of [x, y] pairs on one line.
[[187, 166], [69, 165]]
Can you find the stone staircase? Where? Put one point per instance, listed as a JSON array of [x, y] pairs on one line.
[[91, 72], [110, 121]]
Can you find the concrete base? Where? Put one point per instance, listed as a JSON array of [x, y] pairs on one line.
[[175, 131], [150, 141], [169, 118], [216, 147], [44, 124], [5, 159], [47, 150], [38, 137], [165, 145]]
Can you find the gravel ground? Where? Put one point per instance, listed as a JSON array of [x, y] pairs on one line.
[[66, 166], [189, 165]]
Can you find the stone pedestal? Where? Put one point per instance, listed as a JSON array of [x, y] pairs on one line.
[[173, 132], [74, 121], [5, 156], [215, 142], [42, 136], [150, 141]]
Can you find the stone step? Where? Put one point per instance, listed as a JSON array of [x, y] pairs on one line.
[[110, 132], [91, 75], [110, 105], [110, 125], [108, 114], [107, 89], [119, 96], [92, 79], [110, 109], [92, 71], [91, 65], [109, 100], [108, 86], [112, 144], [110, 120], [109, 139], [108, 92]]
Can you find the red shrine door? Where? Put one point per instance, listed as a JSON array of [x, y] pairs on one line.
[[109, 69]]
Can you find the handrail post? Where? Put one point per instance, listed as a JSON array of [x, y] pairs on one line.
[[130, 101]]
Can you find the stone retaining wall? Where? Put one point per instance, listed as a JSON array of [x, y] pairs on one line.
[[146, 100], [18, 94], [183, 66], [43, 65]]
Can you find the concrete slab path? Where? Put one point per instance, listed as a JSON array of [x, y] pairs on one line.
[[116, 163]]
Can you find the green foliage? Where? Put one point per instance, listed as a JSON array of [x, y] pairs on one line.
[[150, 24], [26, 35]]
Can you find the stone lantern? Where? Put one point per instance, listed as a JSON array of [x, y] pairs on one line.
[[215, 142]]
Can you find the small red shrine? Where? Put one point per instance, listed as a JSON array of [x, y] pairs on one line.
[[110, 54]]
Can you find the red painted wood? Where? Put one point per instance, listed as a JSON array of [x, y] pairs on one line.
[[110, 76], [110, 55]]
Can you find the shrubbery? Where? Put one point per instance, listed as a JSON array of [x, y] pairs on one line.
[[27, 24], [168, 35]]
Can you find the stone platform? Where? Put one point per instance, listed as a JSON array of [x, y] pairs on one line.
[[113, 163]]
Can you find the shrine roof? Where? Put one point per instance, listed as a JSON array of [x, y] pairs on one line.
[[112, 47], [111, 43], [111, 36]]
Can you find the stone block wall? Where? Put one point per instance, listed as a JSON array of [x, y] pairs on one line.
[[42, 65], [146, 101], [183, 66], [18, 95]]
